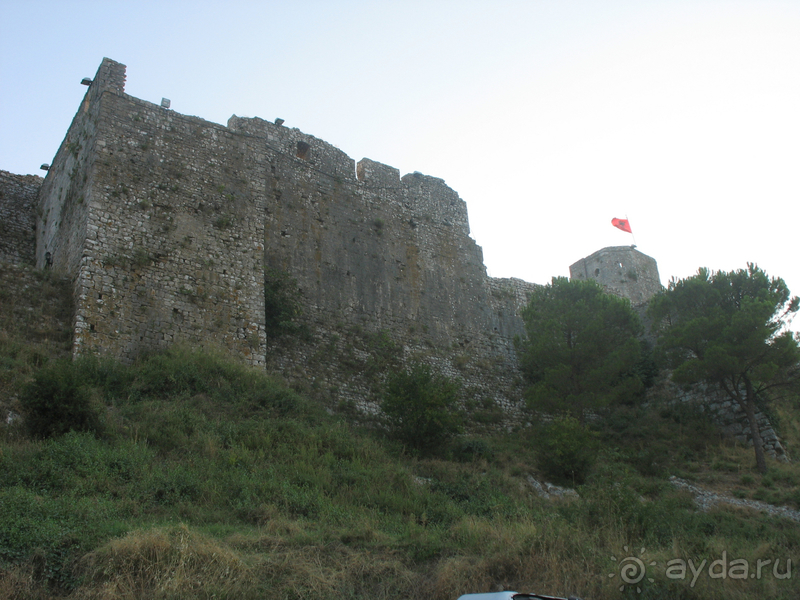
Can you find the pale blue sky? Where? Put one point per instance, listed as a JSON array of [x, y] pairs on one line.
[[548, 117]]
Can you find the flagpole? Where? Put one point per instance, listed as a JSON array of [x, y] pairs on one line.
[[632, 236]]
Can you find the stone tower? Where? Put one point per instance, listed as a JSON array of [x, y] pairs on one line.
[[621, 270]]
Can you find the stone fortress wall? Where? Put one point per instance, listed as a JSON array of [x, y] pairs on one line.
[[129, 209], [730, 417], [168, 224], [18, 194]]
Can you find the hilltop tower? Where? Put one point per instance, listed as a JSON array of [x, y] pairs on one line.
[[621, 270]]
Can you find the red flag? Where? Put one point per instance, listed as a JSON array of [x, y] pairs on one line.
[[623, 224]]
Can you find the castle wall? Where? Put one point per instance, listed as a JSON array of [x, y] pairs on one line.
[[373, 245], [373, 252], [167, 224], [621, 270], [66, 197], [157, 225], [18, 195], [722, 411]]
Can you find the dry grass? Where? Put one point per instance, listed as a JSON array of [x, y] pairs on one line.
[[283, 561], [164, 563], [180, 562], [20, 583], [336, 571]]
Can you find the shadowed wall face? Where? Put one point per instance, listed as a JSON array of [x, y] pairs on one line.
[[18, 195]]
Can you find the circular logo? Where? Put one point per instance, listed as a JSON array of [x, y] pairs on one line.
[[632, 570]]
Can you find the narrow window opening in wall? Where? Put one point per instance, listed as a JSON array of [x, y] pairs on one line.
[[597, 272], [91, 327], [99, 296], [302, 150]]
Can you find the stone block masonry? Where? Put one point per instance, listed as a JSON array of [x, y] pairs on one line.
[[728, 415], [621, 270], [18, 195], [149, 212], [167, 224]]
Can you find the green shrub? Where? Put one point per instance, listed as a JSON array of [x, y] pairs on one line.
[[58, 400], [182, 371], [282, 304], [51, 533], [420, 409], [472, 449], [567, 451]]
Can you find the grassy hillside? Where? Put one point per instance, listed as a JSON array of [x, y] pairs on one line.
[[196, 477], [35, 310]]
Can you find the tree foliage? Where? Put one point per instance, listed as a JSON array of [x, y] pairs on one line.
[[730, 330], [420, 408], [581, 349], [59, 400], [567, 451]]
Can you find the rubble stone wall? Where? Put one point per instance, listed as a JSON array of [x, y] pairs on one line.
[[724, 412], [18, 217], [168, 225]]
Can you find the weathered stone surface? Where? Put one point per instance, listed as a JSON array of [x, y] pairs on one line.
[[621, 270], [167, 224], [18, 217], [707, 499], [729, 416]]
